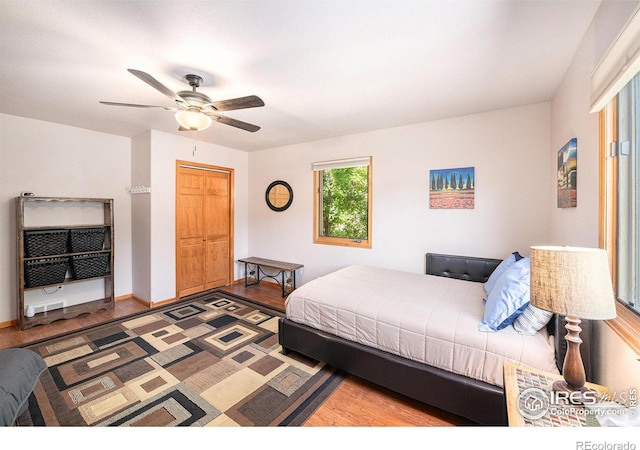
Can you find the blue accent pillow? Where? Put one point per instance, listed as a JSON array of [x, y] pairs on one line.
[[498, 271], [508, 298]]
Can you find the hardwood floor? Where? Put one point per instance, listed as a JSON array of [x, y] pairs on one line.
[[356, 403], [11, 337]]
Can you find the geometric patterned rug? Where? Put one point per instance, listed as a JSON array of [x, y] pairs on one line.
[[209, 360]]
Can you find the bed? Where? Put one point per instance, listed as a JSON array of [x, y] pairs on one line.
[[418, 334]]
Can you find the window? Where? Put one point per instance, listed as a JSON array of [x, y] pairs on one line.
[[342, 202], [620, 204], [628, 193], [614, 94]]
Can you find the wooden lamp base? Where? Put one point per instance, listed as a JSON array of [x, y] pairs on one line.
[[573, 368]]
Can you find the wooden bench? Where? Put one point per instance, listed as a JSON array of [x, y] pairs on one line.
[[285, 276]]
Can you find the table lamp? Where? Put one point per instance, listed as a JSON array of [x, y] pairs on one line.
[[574, 282]]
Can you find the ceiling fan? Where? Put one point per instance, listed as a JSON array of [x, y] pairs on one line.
[[195, 111]]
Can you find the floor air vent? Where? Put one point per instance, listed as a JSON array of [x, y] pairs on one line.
[[49, 306]]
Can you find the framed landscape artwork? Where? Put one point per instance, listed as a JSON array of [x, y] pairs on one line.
[[452, 188], [568, 175]]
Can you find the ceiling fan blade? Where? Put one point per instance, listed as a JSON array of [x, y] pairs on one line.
[[133, 105], [157, 85], [234, 122], [250, 101]]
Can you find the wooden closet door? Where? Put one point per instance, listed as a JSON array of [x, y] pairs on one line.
[[204, 238], [190, 231], [217, 229]]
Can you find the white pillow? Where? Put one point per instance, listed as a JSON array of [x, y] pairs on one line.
[[532, 320]]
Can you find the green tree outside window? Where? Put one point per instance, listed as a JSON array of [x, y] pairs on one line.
[[345, 197]]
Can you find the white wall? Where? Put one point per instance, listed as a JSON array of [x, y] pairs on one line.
[[165, 150], [59, 161], [141, 216], [617, 366], [507, 149]]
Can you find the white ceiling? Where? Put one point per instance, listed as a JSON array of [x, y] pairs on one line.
[[324, 68]]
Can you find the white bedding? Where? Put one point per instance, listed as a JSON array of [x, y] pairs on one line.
[[425, 318]]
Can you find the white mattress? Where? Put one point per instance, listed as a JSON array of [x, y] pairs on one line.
[[429, 319]]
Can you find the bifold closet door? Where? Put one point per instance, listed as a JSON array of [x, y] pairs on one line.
[[203, 228]]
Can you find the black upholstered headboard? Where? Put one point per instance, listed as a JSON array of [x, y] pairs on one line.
[[468, 268], [478, 269]]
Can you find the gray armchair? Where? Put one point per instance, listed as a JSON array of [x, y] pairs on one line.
[[20, 370]]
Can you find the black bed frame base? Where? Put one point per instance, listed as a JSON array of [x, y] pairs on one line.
[[478, 401]]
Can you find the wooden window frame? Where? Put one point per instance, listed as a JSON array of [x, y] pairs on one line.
[[627, 323], [317, 216]]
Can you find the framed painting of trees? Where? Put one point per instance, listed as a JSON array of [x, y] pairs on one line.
[[452, 188]]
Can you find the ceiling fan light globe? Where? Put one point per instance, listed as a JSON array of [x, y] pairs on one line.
[[193, 120]]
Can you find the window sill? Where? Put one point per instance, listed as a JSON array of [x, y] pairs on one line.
[[344, 242], [627, 326]]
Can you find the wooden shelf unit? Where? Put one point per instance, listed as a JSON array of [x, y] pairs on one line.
[[46, 317]]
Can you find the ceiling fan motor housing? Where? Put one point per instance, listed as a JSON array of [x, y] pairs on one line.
[[192, 97]]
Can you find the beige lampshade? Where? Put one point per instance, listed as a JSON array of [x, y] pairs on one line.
[[572, 281]]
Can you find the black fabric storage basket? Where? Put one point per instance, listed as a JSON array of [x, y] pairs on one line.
[[45, 242], [45, 271], [89, 266], [86, 239]]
